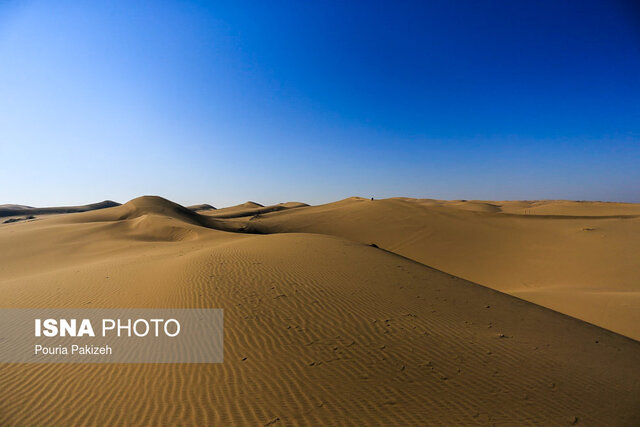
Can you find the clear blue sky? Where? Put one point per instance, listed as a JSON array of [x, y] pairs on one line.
[[222, 102]]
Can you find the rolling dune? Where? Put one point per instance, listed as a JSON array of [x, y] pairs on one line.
[[252, 209], [578, 258], [319, 329], [16, 210]]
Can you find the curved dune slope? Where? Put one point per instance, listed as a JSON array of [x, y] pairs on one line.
[[318, 330], [579, 258]]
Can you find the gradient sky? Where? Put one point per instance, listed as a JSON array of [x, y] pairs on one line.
[[223, 102]]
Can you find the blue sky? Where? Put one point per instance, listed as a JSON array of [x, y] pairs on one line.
[[222, 102]]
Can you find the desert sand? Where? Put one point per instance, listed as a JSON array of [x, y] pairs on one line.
[[322, 328], [578, 258]]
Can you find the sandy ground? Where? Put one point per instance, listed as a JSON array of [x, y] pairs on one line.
[[321, 328]]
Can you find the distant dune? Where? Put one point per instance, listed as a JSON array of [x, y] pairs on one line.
[[321, 328], [252, 209], [202, 207], [155, 218], [16, 210]]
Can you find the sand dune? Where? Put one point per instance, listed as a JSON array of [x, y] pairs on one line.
[[201, 207], [579, 258], [319, 329], [152, 218], [252, 209], [16, 210]]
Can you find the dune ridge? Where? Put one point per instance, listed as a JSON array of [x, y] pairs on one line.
[[15, 210]]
